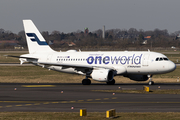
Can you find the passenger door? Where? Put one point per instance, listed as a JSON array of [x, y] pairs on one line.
[[145, 60]]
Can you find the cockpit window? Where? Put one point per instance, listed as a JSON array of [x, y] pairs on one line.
[[161, 59], [166, 59], [157, 59]]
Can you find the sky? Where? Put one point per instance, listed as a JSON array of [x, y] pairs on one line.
[[71, 15]]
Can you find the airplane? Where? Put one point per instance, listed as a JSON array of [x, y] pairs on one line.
[[100, 66]]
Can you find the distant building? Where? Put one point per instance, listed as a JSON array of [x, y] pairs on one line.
[[178, 36], [146, 40], [147, 37], [71, 44], [51, 42], [13, 43], [18, 47], [9, 42], [63, 42]]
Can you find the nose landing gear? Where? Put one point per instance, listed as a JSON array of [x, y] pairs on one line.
[[150, 80]]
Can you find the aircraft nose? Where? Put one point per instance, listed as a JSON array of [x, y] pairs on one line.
[[172, 66]]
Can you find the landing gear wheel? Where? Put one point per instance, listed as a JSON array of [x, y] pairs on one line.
[[86, 81], [151, 82], [111, 82]]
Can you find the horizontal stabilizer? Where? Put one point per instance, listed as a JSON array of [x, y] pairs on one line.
[[20, 57]]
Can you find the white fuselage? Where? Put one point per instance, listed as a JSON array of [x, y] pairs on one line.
[[123, 62]]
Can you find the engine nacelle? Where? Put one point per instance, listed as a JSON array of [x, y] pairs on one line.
[[102, 75], [138, 77]]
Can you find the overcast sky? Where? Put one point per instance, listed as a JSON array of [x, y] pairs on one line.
[[72, 15]]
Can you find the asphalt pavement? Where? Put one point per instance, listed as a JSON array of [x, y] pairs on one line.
[[73, 97]]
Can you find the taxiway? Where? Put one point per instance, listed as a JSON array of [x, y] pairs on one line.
[[72, 97]]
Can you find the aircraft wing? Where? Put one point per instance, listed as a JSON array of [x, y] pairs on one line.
[[64, 64], [82, 68], [73, 65]]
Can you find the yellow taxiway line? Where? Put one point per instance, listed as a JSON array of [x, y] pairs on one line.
[[38, 86]]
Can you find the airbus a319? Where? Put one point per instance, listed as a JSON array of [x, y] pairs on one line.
[[100, 66]]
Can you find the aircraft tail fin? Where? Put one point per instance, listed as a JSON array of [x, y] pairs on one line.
[[35, 41]]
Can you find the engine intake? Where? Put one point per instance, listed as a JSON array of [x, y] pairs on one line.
[[102, 75]]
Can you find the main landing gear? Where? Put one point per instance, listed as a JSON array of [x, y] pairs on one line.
[[111, 82], [86, 81], [150, 80]]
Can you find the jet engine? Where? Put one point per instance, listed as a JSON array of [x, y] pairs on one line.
[[138, 77], [102, 75]]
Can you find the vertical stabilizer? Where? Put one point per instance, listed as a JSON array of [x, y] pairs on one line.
[[35, 41]]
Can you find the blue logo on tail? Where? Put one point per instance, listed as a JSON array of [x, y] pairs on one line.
[[35, 39]]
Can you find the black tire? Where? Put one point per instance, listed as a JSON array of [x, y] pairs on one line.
[[111, 82], [151, 82], [86, 82], [89, 81]]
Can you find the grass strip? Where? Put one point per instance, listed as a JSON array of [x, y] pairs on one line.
[[35, 74], [90, 116]]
